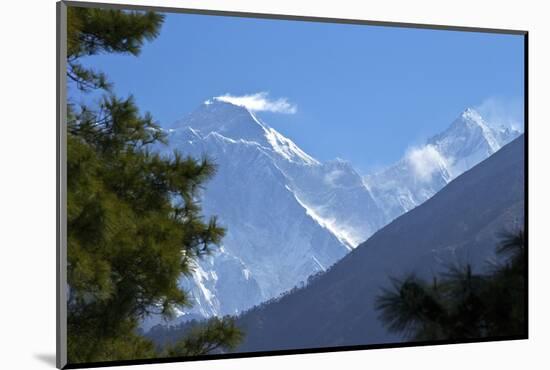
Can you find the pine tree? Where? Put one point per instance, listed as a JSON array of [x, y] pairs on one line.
[[133, 216], [216, 334], [92, 31], [461, 305]]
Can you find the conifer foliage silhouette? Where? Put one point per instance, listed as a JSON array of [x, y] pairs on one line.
[[133, 216], [462, 304]]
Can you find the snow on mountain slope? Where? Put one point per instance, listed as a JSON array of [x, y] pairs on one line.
[[425, 170], [333, 193], [275, 238], [287, 214]]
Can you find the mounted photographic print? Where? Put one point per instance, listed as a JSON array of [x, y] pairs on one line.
[[236, 185]]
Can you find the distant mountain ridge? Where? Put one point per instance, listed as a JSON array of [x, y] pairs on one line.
[[287, 214], [424, 171]]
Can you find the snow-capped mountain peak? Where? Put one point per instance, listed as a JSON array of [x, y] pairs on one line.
[[467, 141], [472, 115], [467, 127], [473, 118], [237, 123], [230, 120]]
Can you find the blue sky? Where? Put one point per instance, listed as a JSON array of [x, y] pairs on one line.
[[361, 93]]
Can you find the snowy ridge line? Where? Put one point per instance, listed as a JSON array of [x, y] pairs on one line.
[[283, 145], [341, 235]]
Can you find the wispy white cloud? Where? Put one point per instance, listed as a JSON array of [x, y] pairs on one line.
[[260, 102], [502, 112], [425, 161]]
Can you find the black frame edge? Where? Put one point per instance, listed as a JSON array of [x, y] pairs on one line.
[[526, 173]]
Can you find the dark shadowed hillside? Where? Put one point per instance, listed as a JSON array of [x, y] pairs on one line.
[[460, 224]]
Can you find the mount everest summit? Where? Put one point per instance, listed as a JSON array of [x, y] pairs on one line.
[[288, 215]]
